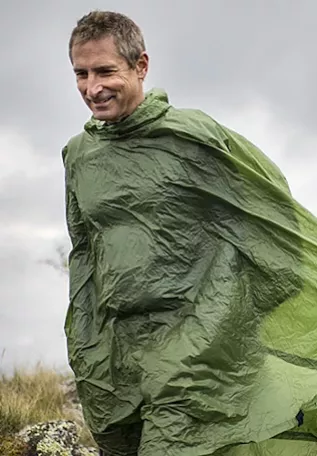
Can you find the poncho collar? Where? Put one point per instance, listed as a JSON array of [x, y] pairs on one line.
[[153, 107]]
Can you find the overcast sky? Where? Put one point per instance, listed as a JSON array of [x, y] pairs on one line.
[[251, 64]]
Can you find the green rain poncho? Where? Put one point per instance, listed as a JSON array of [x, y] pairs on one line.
[[193, 300]]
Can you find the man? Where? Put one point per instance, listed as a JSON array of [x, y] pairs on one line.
[[192, 271]]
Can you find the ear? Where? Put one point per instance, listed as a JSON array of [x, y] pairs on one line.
[[142, 66]]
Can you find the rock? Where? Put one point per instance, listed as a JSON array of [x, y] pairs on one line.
[[55, 438], [70, 391], [75, 414], [72, 406]]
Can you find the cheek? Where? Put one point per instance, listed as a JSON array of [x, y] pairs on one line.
[[117, 83], [81, 86]]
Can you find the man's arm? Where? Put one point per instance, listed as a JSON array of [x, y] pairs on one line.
[[80, 267]]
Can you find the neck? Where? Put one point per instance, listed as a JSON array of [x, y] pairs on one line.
[[137, 102]]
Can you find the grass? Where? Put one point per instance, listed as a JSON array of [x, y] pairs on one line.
[[32, 397]]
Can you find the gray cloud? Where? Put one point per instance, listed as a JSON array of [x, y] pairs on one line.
[[249, 64]]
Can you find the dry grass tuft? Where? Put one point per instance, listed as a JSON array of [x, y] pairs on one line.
[[28, 398]]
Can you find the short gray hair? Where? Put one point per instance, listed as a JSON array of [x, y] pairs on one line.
[[101, 24]]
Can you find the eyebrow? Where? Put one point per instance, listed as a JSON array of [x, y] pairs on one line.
[[99, 68]]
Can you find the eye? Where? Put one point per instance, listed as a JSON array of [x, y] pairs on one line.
[[81, 75], [105, 72]]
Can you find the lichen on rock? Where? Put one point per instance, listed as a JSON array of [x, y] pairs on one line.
[[55, 438], [48, 447]]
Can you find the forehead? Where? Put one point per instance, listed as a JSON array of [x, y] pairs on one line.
[[96, 52]]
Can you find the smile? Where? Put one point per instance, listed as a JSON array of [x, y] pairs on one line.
[[103, 102]]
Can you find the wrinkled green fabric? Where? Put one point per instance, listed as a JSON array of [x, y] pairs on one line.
[[193, 280]]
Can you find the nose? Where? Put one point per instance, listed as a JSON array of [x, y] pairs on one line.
[[94, 87]]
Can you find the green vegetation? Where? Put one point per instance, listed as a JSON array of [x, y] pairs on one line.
[[13, 446], [28, 398]]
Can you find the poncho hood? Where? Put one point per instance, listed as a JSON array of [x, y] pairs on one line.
[[152, 108]]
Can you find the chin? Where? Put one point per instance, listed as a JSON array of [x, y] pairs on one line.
[[105, 117]]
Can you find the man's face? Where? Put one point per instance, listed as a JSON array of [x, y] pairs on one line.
[[109, 87]]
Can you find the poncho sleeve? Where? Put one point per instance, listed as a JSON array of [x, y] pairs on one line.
[[81, 288]]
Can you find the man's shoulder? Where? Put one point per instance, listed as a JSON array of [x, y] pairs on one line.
[[74, 146], [192, 117], [197, 126]]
